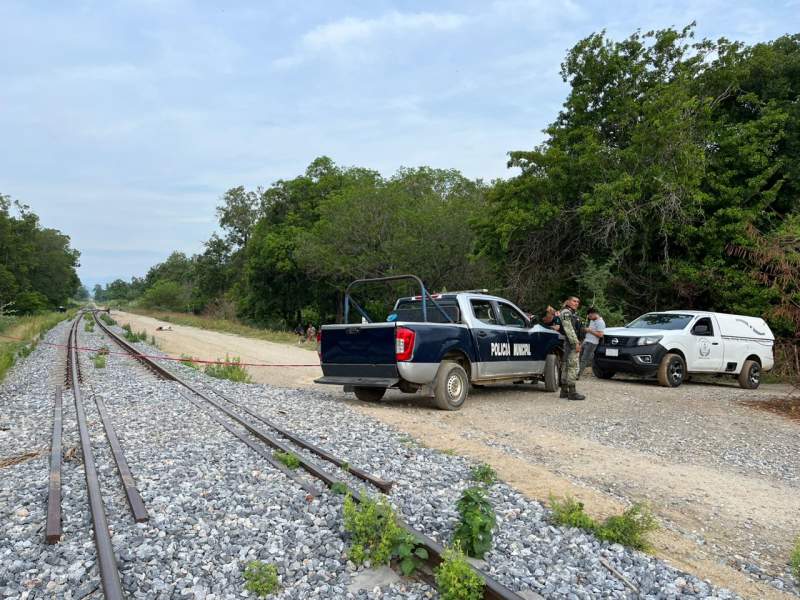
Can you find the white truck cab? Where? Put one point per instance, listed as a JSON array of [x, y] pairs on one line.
[[675, 343]]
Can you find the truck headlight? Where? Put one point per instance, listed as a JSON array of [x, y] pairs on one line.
[[648, 340]]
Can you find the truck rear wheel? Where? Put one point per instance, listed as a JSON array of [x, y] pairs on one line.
[[369, 394], [452, 386], [671, 371], [750, 376], [551, 373]]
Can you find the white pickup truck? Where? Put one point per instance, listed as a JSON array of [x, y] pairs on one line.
[[675, 343]]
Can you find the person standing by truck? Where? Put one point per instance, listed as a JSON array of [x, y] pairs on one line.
[[593, 334], [570, 327]]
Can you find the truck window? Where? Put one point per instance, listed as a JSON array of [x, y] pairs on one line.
[[703, 327], [411, 311], [483, 311], [511, 316]]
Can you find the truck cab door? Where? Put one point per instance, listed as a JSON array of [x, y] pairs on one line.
[[705, 346], [521, 341], [491, 341]]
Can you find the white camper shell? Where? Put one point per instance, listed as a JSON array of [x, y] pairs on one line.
[[672, 344]]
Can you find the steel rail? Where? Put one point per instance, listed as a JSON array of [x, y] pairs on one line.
[[379, 483], [135, 501], [53, 531], [106, 561], [310, 489], [493, 590]]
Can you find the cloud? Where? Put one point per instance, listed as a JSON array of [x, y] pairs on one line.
[[338, 36]]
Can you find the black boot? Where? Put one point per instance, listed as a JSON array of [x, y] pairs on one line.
[[573, 395], [564, 392]]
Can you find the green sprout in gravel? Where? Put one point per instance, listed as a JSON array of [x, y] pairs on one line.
[[628, 529], [484, 473], [474, 531], [287, 458], [261, 578], [794, 560], [455, 578], [99, 361], [339, 488]]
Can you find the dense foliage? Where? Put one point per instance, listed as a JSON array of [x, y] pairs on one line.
[[37, 265], [670, 178]]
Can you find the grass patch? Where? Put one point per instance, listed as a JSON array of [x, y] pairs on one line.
[[794, 560], [188, 361], [628, 529], [231, 369], [88, 325], [133, 336], [261, 578], [484, 473], [455, 578], [99, 361], [106, 318], [287, 458], [27, 329], [339, 488], [216, 324]]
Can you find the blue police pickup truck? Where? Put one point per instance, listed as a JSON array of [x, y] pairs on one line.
[[438, 344]]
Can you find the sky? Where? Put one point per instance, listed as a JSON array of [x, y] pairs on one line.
[[122, 123]]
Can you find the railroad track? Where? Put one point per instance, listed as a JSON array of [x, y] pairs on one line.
[[233, 417]]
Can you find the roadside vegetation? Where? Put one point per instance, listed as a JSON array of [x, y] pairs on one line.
[[261, 578], [133, 336], [230, 368], [27, 329], [455, 579], [794, 560], [629, 529]]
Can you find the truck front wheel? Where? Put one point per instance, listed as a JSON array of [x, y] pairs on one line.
[[551, 373], [671, 371], [452, 386], [369, 394]]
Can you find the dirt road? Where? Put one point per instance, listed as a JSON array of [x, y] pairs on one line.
[[723, 478]]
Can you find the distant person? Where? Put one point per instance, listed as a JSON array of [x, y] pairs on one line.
[[551, 319], [311, 333], [593, 335], [299, 332]]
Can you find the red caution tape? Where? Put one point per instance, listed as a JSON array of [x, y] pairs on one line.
[[155, 357]]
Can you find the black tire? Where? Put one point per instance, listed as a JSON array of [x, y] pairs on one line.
[[552, 377], [369, 394], [671, 371], [602, 373], [750, 376], [452, 386]]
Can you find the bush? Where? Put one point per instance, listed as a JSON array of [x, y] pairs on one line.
[[794, 560], [231, 369], [484, 473], [99, 361], [105, 318], [287, 458], [188, 361], [455, 578], [261, 578], [628, 529], [474, 531], [166, 295], [373, 529], [88, 326]]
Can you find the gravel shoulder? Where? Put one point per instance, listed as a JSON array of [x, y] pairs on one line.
[[722, 477]]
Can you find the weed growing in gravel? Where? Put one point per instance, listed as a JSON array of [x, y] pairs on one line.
[[153, 342], [409, 553], [474, 531], [25, 350], [231, 369], [99, 361], [794, 560], [455, 579], [103, 350], [188, 361], [372, 527], [339, 488], [345, 467], [484, 473], [449, 452], [89, 326], [106, 318], [287, 458], [132, 336], [261, 578], [628, 529]]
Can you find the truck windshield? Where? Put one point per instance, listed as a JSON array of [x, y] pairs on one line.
[[660, 321], [411, 310]]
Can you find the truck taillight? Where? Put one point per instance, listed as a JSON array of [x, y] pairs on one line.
[[404, 343], [319, 343]]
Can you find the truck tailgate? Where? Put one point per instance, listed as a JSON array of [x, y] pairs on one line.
[[359, 354]]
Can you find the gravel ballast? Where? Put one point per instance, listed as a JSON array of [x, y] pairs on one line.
[[215, 505]]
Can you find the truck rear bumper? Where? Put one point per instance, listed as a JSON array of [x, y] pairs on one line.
[[359, 375], [358, 381]]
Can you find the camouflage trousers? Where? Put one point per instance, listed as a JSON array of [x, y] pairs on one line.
[[569, 367]]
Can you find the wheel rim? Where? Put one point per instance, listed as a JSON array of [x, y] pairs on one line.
[[755, 375], [676, 371], [454, 386]]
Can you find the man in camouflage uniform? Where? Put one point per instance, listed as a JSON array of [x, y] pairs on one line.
[[572, 349]]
